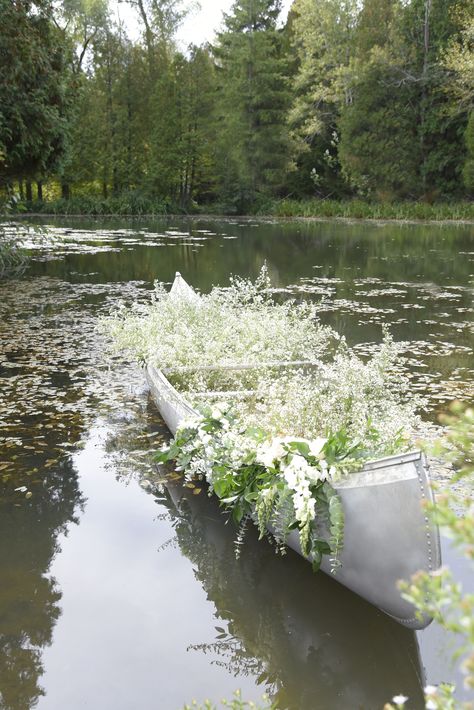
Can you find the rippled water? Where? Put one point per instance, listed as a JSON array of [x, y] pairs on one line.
[[118, 594]]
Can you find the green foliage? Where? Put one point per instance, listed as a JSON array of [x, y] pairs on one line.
[[253, 147], [363, 209], [351, 98], [127, 203], [468, 173], [322, 38], [32, 90], [181, 150], [373, 76], [13, 258], [257, 479], [438, 594], [235, 704], [377, 141]]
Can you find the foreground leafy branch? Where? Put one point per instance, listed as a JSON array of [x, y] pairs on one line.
[[438, 593]]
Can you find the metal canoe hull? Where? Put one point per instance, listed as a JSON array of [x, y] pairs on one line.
[[387, 535]]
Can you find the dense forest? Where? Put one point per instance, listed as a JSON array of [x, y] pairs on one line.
[[366, 98]]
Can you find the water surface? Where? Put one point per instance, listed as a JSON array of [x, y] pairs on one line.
[[116, 594]]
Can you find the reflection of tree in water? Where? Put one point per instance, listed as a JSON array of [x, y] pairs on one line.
[[29, 599], [311, 642]]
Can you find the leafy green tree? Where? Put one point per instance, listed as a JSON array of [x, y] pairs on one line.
[[33, 99], [181, 154], [429, 27], [253, 97], [378, 136], [459, 62], [468, 172], [322, 35], [400, 111], [160, 19]]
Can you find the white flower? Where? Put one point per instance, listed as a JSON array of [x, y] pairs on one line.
[[399, 699], [297, 465], [431, 690], [290, 478], [431, 705], [316, 446], [316, 474], [268, 452]]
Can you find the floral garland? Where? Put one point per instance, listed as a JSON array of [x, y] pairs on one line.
[[282, 484]]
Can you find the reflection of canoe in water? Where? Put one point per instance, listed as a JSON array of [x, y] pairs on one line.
[[310, 642], [387, 536]]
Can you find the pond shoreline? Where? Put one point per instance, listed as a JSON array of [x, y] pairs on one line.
[[248, 218]]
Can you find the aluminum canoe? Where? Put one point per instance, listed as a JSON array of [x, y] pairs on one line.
[[387, 533]]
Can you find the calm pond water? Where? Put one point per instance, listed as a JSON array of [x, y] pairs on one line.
[[117, 594]]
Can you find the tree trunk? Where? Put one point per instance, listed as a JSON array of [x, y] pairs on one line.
[[39, 189], [424, 91], [149, 41], [21, 190], [29, 191], [65, 191]]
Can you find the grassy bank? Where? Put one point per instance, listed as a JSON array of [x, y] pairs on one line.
[[126, 205], [136, 205], [360, 209]]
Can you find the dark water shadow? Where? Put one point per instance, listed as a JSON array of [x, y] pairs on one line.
[[310, 641]]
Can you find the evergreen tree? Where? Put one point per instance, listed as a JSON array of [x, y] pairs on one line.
[[253, 100], [32, 90], [429, 26], [378, 144], [399, 136], [468, 172], [322, 37], [378, 147]]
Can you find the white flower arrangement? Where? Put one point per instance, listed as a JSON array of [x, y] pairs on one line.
[[238, 325], [274, 458], [257, 478]]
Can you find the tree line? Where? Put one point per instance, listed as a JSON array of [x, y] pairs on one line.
[[371, 98]]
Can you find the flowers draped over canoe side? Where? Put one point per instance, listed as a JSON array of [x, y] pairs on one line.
[[281, 483]]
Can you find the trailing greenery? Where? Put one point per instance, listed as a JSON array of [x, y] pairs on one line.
[[283, 483], [13, 257]]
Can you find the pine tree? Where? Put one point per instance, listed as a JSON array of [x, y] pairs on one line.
[[253, 100], [378, 149], [322, 35]]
